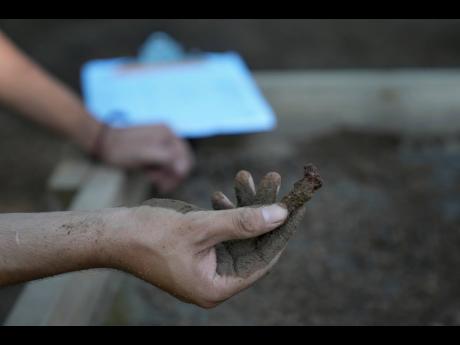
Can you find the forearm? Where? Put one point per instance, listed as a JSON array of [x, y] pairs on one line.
[[25, 87], [38, 245]]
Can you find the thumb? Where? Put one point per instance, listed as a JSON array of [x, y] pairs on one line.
[[244, 222]]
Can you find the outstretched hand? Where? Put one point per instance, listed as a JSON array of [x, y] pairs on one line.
[[176, 251], [205, 257]]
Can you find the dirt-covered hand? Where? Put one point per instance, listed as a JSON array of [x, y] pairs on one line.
[[166, 158], [205, 257], [172, 245]]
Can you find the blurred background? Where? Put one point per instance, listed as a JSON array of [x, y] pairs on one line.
[[381, 241]]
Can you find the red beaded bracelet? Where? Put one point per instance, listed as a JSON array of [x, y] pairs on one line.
[[96, 150]]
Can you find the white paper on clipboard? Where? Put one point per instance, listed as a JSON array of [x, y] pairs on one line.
[[210, 95]]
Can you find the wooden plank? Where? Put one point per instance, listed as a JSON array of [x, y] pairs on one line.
[[65, 181], [69, 174], [102, 189], [409, 100], [80, 298]]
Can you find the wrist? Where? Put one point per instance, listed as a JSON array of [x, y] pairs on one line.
[[117, 240], [137, 234], [87, 133]]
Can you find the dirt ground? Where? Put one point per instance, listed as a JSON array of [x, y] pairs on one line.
[[379, 243], [386, 210]]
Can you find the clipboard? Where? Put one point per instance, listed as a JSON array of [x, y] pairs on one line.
[[197, 97]]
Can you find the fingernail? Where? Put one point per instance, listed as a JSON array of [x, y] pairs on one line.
[[274, 214]]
